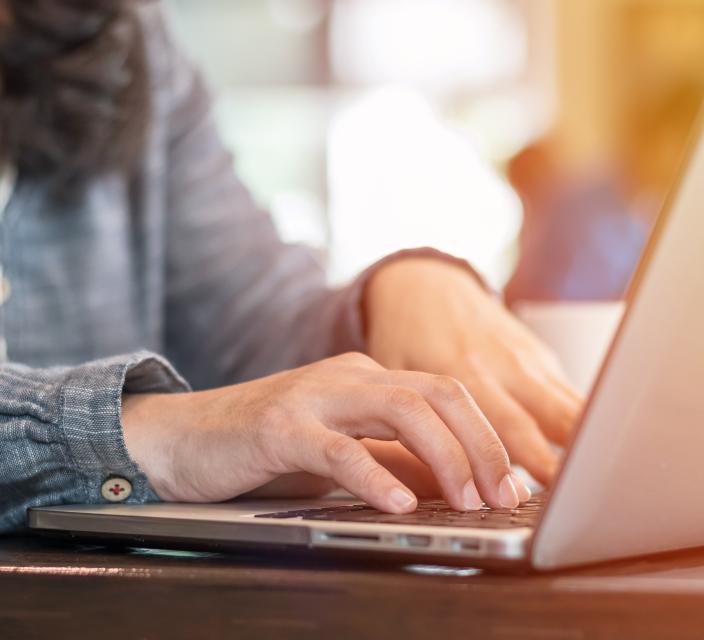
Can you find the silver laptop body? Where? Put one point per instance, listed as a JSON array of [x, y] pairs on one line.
[[630, 484]]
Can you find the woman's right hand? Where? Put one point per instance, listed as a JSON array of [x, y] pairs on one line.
[[214, 445]]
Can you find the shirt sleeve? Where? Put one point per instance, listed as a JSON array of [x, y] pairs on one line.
[[61, 433], [240, 303]]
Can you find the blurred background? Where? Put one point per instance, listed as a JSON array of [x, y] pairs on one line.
[[536, 138]]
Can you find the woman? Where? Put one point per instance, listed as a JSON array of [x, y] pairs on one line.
[[136, 268]]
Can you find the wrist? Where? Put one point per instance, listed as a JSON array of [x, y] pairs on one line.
[[150, 428], [402, 278]]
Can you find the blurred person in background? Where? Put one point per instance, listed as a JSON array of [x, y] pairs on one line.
[[581, 237], [585, 228], [154, 327]]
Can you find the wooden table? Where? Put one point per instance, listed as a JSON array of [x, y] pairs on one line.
[[51, 590]]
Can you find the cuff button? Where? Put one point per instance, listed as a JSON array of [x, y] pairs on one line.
[[116, 489]]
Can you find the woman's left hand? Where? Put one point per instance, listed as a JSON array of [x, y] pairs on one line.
[[424, 314]]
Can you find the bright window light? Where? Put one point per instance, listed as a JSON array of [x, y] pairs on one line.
[[434, 44], [399, 177]]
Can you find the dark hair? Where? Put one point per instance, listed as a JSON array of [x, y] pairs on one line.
[[73, 96]]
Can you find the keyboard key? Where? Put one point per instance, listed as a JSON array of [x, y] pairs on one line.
[[429, 513]]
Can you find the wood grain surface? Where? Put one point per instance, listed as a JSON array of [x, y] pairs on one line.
[[56, 590]]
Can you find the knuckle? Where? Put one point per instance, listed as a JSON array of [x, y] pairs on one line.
[[348, 456], [405, 401], [450, 389], [492, 450], [355, 358], [323, 368], [371, 475], [342, 452]]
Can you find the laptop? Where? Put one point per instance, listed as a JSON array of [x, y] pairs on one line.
[[631, 481]]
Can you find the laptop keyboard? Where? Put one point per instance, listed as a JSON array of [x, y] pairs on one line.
[[434, 513]]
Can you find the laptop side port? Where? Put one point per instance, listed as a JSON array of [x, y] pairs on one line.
[[414, 540], [349, 537], [472, 546]]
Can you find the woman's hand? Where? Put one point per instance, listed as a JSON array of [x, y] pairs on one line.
[[428, 315], [215, 445]]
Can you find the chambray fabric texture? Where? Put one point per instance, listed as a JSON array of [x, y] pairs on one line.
[[174, 260]]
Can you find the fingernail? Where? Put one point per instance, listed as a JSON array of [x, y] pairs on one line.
[[401, 500], [524, 493], [470, 497], [507, 493]]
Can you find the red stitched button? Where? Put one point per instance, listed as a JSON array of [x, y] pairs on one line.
[[116, 489]]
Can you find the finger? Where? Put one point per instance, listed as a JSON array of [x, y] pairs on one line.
[[334, 455], [460, 413], [518, 430], [554, 410], [408, 468], [408, 418], [548, 365], [560, 381], [553, 370]]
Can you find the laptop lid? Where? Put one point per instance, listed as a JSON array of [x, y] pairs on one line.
[[631, 482]]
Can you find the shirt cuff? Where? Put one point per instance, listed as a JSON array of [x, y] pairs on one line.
[[91, 419], [351, 329]]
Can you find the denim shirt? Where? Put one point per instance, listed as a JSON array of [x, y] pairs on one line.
[[165, 280], [170, 269]]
